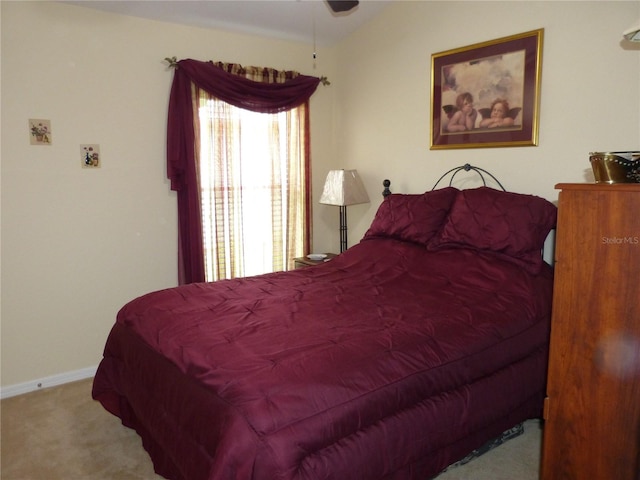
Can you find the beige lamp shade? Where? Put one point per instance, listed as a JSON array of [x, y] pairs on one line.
[[632, 34], [343, 187]]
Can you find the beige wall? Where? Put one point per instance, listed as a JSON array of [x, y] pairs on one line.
[[77, 244]]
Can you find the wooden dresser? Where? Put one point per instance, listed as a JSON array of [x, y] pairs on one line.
[[592, 410]]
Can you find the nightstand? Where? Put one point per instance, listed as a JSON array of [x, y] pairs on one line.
[[307, 262]]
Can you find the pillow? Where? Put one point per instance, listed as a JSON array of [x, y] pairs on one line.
[[513, 225], [412, 218]]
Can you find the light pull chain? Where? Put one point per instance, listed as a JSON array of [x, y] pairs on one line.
[[313, 16]]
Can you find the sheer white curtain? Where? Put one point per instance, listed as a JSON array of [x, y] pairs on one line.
[[253, 172]]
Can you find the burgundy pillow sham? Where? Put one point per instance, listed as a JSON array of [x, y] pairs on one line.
[[412, 217], [511, 224]]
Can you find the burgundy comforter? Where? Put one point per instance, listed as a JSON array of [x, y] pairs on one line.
[[388, 362]]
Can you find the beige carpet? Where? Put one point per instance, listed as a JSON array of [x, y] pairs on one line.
[[62, 434]]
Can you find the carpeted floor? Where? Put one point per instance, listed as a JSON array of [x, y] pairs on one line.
[[62, 434]]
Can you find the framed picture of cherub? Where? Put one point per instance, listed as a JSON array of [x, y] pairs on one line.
[[487, 94]]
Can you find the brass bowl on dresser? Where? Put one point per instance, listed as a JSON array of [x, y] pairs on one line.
[[615, 167]]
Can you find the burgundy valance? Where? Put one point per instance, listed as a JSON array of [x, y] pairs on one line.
[[248, 94]]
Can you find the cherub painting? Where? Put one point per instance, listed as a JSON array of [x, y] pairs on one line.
[[493, 82], [487, 94]]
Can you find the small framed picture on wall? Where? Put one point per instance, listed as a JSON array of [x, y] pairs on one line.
[[40, 131], [90, 156]]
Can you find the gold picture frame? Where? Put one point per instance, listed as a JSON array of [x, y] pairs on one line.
[[487, 94]]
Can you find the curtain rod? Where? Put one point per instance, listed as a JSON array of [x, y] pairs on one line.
[[173, 63]]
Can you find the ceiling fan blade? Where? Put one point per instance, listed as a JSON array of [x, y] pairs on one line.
[[342, 5]]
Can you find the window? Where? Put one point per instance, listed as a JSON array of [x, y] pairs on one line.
[[271, 91], [253, 178]]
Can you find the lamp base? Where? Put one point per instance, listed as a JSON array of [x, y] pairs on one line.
[[343, 228]]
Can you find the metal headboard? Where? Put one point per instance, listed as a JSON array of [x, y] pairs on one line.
[[454, 171], [386, 192], [466, 167]]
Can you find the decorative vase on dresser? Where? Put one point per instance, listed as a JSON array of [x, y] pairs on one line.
[[592, 409]]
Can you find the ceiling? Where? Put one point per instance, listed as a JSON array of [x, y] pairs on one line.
[[307, 21]]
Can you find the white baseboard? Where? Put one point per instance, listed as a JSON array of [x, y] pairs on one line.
[[52, 381]]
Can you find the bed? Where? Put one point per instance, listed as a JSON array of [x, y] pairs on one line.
[[393, 360]]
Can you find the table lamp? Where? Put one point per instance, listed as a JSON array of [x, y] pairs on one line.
[[342, 188]]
